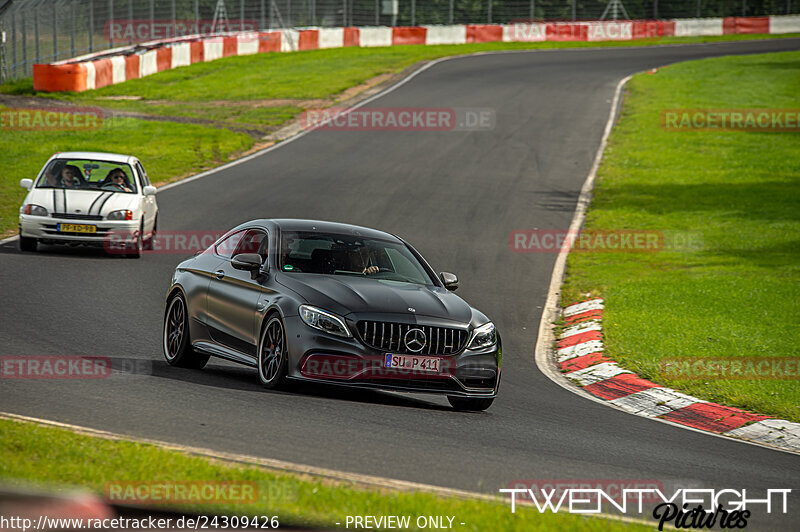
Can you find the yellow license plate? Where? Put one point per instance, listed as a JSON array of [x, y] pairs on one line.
[[77, 228]]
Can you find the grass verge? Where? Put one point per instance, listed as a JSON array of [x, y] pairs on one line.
[[56, 457], [223, 99], [734, 198]]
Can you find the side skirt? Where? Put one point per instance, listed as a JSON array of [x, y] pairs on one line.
[[226, 353]]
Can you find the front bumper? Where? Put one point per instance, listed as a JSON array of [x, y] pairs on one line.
[[45, 229], [319, 357]]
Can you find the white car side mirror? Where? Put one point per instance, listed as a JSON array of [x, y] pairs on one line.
[[150, 190], [26, 183]]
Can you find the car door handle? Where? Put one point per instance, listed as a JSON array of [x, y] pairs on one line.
[[219, 274]]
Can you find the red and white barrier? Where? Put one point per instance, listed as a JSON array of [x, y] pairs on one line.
[[116, 66], [692, 27], [784, 24], [581, 356]]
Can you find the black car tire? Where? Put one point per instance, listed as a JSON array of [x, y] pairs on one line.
[[273, 354], [135, 248], [148, 244], [28, 244], [176, 342], [470, 404]]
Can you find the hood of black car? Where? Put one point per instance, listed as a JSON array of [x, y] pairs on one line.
[[344, 294]]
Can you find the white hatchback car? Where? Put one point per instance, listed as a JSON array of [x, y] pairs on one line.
[[100, 199]]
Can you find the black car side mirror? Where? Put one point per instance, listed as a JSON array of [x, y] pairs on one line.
[[450, 280], [249, 262]]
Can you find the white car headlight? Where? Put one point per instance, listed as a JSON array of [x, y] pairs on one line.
[[35, 210], [483, 336], [120, 215], [324, 321]]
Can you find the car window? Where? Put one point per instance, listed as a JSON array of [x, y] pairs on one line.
[[87, 174], [338, 254], [145, 178], [226, 246], [254, 241]]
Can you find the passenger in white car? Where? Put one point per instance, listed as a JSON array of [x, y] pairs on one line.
[[71, 177]]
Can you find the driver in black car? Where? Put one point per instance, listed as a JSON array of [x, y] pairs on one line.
[[360, 261]]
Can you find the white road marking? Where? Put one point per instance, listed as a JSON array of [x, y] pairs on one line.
[[580, 329], [579, 350], [655, 402], [577, 308], [597, 373]]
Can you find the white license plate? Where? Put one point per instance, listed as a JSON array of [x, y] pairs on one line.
[[413, 363]]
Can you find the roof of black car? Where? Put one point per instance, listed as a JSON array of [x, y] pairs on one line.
[[292, 224]]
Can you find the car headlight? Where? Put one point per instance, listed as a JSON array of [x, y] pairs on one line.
[[324, 321], [483, 336], [36, 210], [120, 215]]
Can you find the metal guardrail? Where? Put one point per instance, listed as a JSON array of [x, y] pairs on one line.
[[45, 31]]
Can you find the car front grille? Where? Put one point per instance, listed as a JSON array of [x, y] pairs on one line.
[[76, 216], [387, 336]]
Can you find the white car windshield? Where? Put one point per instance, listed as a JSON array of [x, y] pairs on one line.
[[85, 174]]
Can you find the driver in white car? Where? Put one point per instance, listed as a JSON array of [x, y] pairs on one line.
[[117, 179]]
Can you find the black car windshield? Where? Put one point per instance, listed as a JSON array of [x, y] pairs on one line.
[[85, 174], [338, 254]]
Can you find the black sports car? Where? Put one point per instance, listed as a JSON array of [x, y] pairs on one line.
[[333, 303]]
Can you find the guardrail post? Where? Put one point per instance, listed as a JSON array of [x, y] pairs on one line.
[[55, 34], [488, 11], [414, 12], [574, 13], [697, 13], [14, 45], [152, 18], [91, 26], [451, 11], [261, 13], [655, 9], [533, 9], [744, 8], [174, 22], [241, 15], [377, 13], [72, 33], [130, 19], [36, 30], [111, 23], [24, 43], [197, 16]]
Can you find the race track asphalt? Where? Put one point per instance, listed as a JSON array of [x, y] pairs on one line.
[[455, 196]]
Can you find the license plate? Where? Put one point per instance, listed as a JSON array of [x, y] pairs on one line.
[[77, 228], [414, 363]]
